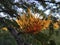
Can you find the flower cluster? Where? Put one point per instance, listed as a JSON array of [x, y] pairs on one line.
[[30, 24]]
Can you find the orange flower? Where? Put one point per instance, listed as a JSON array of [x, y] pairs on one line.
[[56, 26], [30, 25]]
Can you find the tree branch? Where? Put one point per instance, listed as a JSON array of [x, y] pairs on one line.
[[48, 1], [53, 2], [1, 11], [13, 31], [10, 11]]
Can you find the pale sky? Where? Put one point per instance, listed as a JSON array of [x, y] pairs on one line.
[[37, 4]]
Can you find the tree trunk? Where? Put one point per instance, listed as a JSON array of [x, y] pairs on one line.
[[13, 31], [15, 35]]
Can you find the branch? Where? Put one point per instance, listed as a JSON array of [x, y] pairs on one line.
[[1, 11], [10, 11], [48, 1], [13, 31], [46, 9], [53, 2]]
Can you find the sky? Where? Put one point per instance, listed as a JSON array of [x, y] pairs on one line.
[[37, 4], [57, 0]]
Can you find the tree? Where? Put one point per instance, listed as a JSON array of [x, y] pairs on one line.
[[10, 7]]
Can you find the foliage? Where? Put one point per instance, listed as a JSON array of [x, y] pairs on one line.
[[27, 23], [30, 24], [6, 38]]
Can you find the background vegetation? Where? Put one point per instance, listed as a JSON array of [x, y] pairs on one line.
[[24, 23]]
